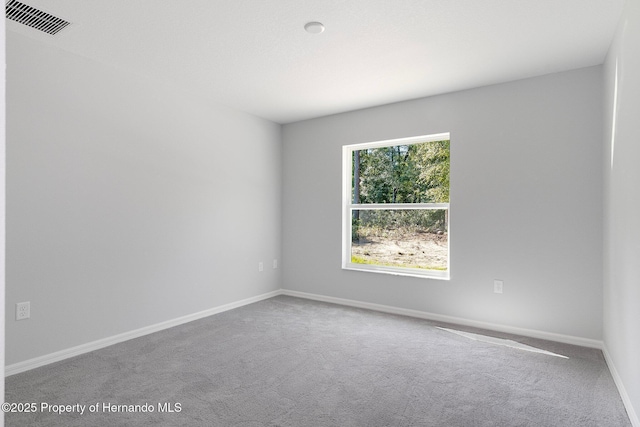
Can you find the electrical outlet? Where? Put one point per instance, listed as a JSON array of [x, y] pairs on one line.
[[275, 263], [260, 266], [23, 310], [497, 286]]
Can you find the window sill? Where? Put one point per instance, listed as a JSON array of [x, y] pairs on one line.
[[398, 271]]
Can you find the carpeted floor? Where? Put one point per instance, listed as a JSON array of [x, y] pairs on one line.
[[292, 362]]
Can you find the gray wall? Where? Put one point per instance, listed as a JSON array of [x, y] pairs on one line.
[[128, 203], [526, 204], [622, 205]]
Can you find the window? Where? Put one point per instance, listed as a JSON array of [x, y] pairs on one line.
[[396, 206]]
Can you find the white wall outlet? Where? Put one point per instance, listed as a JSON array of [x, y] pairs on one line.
[[23, 310], [497, 286], [275, 264], [261, 266]]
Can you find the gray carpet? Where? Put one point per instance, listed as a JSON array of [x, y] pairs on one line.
[[292, 362]]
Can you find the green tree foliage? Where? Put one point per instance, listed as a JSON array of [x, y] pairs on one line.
[[417, 173], [433, 161]]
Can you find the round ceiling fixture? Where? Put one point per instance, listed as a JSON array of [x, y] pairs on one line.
[[314, 27]]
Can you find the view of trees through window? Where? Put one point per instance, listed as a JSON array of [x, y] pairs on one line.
[[414, 232]]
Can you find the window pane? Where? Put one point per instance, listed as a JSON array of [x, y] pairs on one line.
[[416, 173], [411, 238]]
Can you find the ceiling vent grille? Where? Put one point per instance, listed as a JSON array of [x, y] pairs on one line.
[[34, 18]]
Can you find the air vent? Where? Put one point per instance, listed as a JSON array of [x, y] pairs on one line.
[[34, 18]]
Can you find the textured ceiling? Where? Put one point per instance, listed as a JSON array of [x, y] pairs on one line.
[[254, 55]]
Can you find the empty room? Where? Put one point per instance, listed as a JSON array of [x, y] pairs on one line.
[[321, 213]]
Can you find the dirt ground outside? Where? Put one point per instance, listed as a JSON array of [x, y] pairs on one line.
[[415, 250]]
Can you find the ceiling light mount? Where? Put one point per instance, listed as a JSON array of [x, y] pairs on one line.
[[314, 27]]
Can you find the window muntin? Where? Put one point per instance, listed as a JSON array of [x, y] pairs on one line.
[[396, 206]]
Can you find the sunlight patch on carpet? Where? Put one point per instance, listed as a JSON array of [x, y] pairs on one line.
[[503, 342]]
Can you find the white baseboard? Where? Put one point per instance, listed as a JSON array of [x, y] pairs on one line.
[[567, 339], [36, 362], [105, 342], [633, 416]]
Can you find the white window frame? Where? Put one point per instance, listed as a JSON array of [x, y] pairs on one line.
[[348, 207]]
